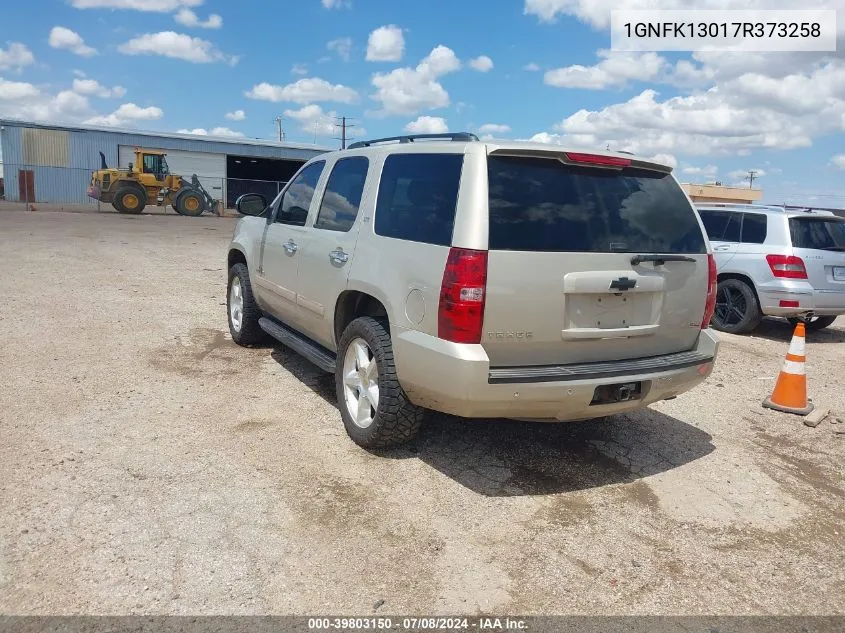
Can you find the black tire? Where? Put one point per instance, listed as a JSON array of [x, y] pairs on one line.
[[189, 202], [249, 333], [127, 193], [737, 309], [396, 419], [815, 323]]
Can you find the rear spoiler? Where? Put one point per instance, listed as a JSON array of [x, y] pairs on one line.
[[604, 161]]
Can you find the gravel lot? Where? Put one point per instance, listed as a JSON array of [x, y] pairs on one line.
[[149, 465]]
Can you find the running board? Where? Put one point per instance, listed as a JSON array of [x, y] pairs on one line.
[[299, 343]]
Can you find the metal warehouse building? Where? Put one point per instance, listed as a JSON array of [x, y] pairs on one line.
[[52, 163]]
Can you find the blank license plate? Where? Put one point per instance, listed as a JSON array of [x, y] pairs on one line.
[[839, 273]]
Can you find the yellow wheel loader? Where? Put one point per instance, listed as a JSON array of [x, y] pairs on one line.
[[149, 181]]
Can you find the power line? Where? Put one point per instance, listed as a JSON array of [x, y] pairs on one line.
[[278, 121], [343, 123], [751, 174]]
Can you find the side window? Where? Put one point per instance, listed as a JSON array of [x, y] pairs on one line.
[[715, 223], [296, 201], [418, 196], [152, 164], [733, 228], [754, 228], [342, 198]]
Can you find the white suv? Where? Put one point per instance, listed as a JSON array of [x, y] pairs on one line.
[[777, 262], [511, 280]]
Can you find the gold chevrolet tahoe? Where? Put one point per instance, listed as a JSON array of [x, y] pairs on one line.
[[481, 279]]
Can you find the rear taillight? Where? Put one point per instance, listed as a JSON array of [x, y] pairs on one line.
[[787, 266], [598, 160], [461, 311], [712, 282]]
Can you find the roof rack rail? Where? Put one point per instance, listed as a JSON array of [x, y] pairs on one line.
[[410, 138], [743, 205]]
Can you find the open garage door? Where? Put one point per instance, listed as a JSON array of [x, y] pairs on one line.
[[248, 174], [210, 168]]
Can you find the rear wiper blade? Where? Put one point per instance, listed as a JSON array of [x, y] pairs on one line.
[[659, 259]]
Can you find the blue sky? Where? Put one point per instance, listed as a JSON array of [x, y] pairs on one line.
[[526, 69]]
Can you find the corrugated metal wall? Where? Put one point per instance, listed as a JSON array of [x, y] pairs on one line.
[[40, 148]]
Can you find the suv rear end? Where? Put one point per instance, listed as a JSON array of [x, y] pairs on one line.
[[776, 262], [575, 286]]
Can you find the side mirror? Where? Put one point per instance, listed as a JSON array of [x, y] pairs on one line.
[[252, 204]]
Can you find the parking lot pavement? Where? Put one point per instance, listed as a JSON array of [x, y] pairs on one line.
[[149, 465]]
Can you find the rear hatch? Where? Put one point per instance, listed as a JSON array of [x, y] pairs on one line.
[[820, 243], [566, 278]]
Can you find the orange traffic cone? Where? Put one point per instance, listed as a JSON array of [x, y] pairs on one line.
[[790, 394]]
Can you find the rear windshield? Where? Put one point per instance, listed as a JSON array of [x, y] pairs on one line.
[[826, 234], [540, 204]]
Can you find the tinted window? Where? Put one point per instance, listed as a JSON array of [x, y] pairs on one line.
[[540, 204], [826, 234], [732, 230], [754, 228], [715, 223], [298, 196], [417, 197], [342, 198]]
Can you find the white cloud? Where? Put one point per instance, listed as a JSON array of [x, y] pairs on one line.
[[409, 90], [615, 69], [188, 18], [494, 128], [742, 174], [299, 69], [596, 13], [155, 6], [176, 46], [531, 67], [217, 131], [127, 114], [64, 38], [92, 87], [386, 44], [15, 57], [482, 64], [427, 125], [304, 91], [21, 100], [709, 172], [336, 4], [237, 115], [17, 90], [342, 46], [313, 120], [838, 161]]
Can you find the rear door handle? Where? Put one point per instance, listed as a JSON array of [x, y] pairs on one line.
[[339, 257], [290, 246]]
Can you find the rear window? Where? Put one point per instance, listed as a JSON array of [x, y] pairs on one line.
[[826, 234], [418, 196], [540, 204]]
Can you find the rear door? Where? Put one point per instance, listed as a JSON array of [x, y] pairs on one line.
[[566, 281], [723, 229], [820, 242]]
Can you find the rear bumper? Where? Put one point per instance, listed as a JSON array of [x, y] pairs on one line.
[[457, 379], [819, 302]]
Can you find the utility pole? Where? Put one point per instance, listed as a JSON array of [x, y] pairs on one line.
[[344, 125], [278, 121], [751, 175]]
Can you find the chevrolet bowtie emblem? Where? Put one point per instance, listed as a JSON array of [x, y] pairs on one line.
[[623, 283]]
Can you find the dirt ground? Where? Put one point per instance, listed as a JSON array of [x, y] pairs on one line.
[[149, 465]]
